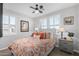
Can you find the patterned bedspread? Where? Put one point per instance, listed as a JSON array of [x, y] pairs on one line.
[[31, 46]]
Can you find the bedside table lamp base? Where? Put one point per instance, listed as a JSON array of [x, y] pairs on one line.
[[61, 30], [61, 35]]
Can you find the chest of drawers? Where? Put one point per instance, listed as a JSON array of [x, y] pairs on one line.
[[66, 45]]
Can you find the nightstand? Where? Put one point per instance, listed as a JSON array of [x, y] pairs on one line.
[[66, 45]]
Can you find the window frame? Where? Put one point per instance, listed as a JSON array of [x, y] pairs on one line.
[[54, 25], [42, 25], [8, 26]]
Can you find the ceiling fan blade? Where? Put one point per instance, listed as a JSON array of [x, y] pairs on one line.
[[41, 7], [33, 12], [32, 7], [40, 11]]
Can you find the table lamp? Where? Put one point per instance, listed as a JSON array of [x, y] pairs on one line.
[[61, 30]]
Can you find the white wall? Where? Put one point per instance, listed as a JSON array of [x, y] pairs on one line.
[[77, 21], [63, 13], [77, 31], [72, 11], [6, 40]]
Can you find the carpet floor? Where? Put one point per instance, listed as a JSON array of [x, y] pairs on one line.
[[58, 52]]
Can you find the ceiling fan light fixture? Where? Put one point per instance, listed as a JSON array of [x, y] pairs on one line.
[[36, 11]]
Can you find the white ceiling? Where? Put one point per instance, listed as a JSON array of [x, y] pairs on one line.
[[25, 9]]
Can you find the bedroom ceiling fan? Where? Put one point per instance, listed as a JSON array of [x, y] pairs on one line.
[[37, 9]]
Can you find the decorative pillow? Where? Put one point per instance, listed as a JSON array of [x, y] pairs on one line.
[[37, 36], [35, 33], [47, 35], [42, 35]]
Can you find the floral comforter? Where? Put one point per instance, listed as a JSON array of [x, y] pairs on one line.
[[31, 46]]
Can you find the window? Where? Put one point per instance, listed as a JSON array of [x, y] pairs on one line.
[[8, 25], [12, 20], [5, 25], [54, 21], [43, 23], [50, 23], [5, 20], [12, 25]]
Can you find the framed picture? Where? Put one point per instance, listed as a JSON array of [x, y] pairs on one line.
[[69, 20], [24, 26]]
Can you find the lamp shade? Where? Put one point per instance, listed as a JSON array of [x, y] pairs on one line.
[[61, 29]]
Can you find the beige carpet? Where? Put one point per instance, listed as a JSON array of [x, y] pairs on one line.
[[54, 52], [5, 52], [58, 52]]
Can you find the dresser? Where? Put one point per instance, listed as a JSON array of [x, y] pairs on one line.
[[66, 45]]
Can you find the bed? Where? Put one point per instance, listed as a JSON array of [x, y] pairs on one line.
[[31, 46]]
